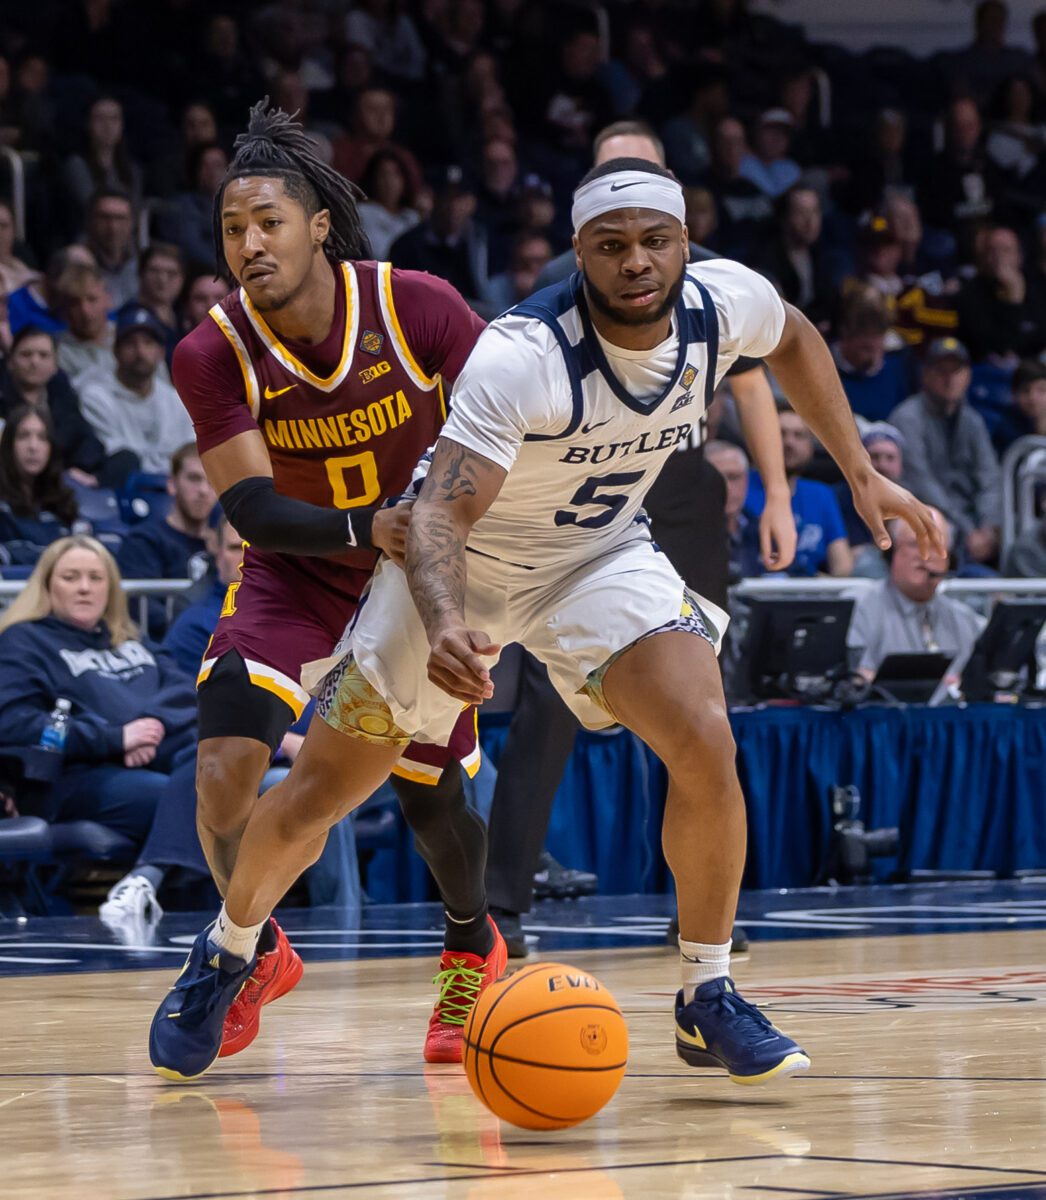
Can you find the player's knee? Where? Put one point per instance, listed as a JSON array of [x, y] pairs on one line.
[[226, 788], [703, 746]]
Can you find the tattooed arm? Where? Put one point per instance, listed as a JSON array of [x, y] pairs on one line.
[[459, 488]]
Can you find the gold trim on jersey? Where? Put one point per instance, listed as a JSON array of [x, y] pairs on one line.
[[250, 380], [392, 324], [287, 360]]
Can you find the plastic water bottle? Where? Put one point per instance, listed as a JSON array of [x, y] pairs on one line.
[[54, 734]]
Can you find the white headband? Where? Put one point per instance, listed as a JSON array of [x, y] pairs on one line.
[[627, 189]]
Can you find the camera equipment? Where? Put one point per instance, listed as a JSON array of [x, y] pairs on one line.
[[1003, 660], [796, 649], [853, 847]]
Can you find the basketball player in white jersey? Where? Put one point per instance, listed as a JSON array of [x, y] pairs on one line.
[[528, 527]]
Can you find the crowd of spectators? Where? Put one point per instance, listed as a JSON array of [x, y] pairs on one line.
[[899, 203], [896, 201]]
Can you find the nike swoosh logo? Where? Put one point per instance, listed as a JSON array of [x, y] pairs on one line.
[[271, 395], [596, 425], [616, 187]]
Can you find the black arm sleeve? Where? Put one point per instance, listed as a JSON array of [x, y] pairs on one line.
[[283, 525], [744, 364]]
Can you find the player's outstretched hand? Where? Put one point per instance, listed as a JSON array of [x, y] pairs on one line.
[[777, 535], [456, 663], [388, 530], [877, 499]]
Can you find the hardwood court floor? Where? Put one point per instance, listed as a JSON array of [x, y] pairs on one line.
[[929, 1077]]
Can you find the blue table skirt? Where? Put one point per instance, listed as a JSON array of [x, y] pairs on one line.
[[966, 786]]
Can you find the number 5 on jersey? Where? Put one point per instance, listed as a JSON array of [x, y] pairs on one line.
[[587, 495], [354, 479]]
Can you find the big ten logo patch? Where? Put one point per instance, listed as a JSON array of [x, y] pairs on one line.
[[561, 983], [369, 374], [593, 1039]]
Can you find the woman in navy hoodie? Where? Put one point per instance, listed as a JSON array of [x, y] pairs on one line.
[[130, 748]]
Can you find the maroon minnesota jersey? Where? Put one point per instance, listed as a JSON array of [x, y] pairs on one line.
[[345, 420]]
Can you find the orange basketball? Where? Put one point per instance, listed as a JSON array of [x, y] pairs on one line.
[[546, 1047]]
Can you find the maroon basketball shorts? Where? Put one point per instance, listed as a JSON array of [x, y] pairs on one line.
[[273, 620]]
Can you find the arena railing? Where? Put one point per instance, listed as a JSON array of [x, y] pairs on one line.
[[138, 591], [1023, 471]]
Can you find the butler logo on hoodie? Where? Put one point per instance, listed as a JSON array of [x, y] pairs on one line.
[[125, 662]]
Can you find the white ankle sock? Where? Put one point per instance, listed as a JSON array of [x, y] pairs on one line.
[[241, 940], [701, 962]]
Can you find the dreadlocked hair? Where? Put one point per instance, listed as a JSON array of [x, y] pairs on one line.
[[276, 144]]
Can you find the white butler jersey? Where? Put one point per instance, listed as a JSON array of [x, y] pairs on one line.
[[539, 398]]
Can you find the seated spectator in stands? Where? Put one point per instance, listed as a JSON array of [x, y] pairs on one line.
[[186, 218], [168, 173], [84, 304], [104, 161], [1026, 412], [922, 251], [36, 506], [885, 446], [884, 164], [742, 531], [174, 546], [496, 195], [14, 273], [948, 457], [373, 122], [30, 375], [389, 209], [875, 381], [129, 757], [1029, 397], [770, 168], [822, 547], [191, 630], [389, 36], [133, 408], [110, 235], [161, 277], [688, 136], [1026, 558], [1016, 139], [744, 211], [202, 293], [702, 220], [36, 303], [957, 191], [796, 260], [449, 243], [567, 102], [1002, 312], [905, 615], [531, 252], [980, 68]]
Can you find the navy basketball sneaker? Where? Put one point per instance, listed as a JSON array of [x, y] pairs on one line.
[[720, 1029], [186, 1032]]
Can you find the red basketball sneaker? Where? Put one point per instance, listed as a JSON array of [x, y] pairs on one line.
[[274, 975], [460, 980]]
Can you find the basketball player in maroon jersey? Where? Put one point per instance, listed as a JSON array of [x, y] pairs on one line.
[[314, 389]]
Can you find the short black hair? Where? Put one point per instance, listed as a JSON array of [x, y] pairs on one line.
[[276, 145], [1028, 372], [626, 164]]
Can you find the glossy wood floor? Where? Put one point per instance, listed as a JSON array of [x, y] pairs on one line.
[[929, 1076]]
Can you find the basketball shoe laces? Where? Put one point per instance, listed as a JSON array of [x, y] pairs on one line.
[[737, 1011], [200, 993], [459, 988]]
